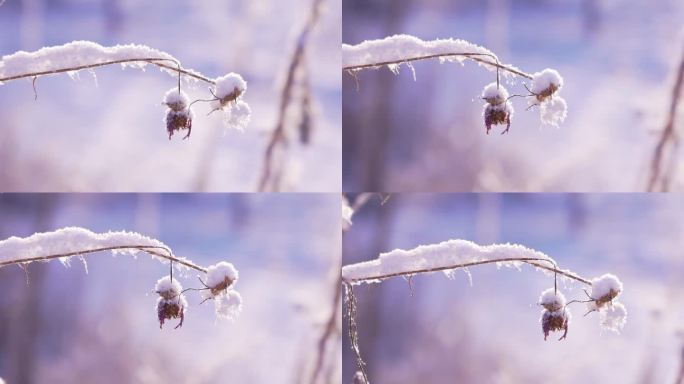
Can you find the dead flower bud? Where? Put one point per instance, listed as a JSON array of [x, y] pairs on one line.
[[171, 304], [553, 321], [498, 115], [220, 277], [178, 115]]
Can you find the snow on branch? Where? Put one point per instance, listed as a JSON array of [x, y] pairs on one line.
[[451, 255], [226, 91], [393, 51], [66, 243]]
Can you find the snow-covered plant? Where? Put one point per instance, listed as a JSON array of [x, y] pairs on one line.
[[67, 243], [393, 51], [71, 58], [451, 255]]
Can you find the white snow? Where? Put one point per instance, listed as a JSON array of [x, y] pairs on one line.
[[494, 94], [541, 81], [613, 317], [218, 273], [441, 255], [229, 305], [167, 288], [552, 300], [602, 286], [553, 111], [399, 48], [175, 100], [237, 116], [78, 54], [226, 85]]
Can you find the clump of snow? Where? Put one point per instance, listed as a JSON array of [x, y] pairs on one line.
[[605, 288], [495, 94], [553, 321], [220, 277], [220, 282], [613, 317], [176, 100], [347, 213], [553, 111], [73, 241], [229, 305], [545, 83], [451, 253], [552, 300], [168, 288], [79, 55], [400, 48], [228, 91]]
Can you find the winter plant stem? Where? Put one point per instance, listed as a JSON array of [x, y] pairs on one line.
[[472, 56], [527, 260], [152, 250], [659, 179]]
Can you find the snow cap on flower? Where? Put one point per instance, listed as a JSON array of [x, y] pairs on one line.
[[494, 94], [553, 321], [175, 100], [552, 300], [167, 288], [229, 88], [220, 277], [604, 289], [613, 317], [546, 83]]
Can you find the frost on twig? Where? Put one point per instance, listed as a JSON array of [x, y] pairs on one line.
[[66, 243], [393, 51], [76, 56], [448, 256]]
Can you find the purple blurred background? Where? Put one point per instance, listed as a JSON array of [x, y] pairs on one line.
[[69, 326], [449, 331], [82, 135], [617, 58]]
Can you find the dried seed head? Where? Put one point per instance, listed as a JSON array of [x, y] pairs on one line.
[[552, 300], [604, 289], [229, 89], [220, 277], [498, 115], [171, 304], [178, 121], [167, 288], [546, 83], [553, 321]]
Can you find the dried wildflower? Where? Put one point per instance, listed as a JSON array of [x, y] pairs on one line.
[[498, 110], [229, 89], [603, 290], [178, 115], [552, 300], [553, 321], [545, 84], [171, 304], [219, 284]]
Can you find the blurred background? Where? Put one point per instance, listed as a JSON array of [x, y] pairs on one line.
[[108, 134], [449, 331], [618, 59], [69, 326]]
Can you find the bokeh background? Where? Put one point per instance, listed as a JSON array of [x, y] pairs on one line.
[[451, 332], [618, 59], [69, 326], [108, 135]]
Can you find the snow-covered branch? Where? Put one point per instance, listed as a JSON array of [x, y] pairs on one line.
[[66, 243], [451, 255], [393, 51], [226, 91]]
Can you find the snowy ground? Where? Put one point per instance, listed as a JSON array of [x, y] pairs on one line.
[[109, 135], [490, 332]]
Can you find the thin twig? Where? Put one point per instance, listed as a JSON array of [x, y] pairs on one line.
[[668, 136], [470, 55], [279, 137], [151, 249], [150, 60], [353, 329], [527, 260]]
